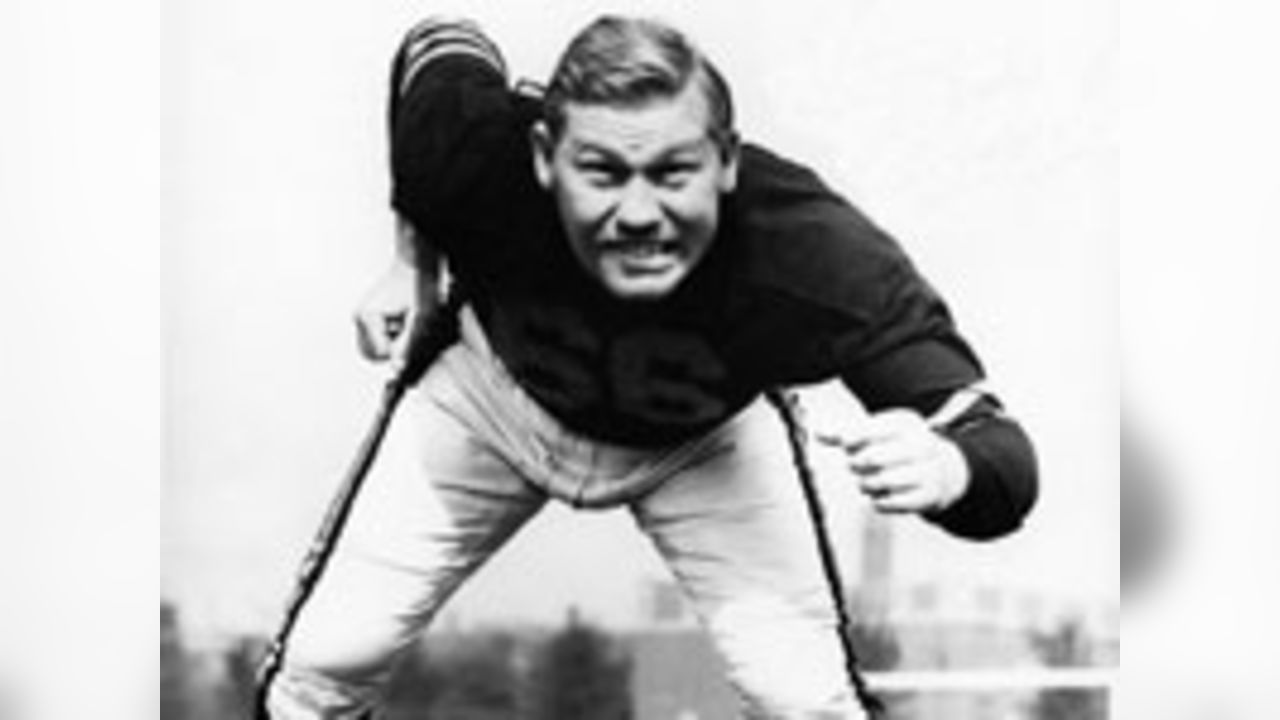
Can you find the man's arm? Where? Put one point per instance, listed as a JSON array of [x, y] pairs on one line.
[[446, 79], [973, 473], [450, 110], [937, 442], [967, 467], [1003, 477]]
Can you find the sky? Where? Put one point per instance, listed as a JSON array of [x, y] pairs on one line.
[[970, 132]]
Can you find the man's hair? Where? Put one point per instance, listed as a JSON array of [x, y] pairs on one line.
[[626, 61]]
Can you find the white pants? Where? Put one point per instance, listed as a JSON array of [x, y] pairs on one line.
[[469, 458]]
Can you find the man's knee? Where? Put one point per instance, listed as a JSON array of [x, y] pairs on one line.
[[328, 677], [298, 692], [785, 658]]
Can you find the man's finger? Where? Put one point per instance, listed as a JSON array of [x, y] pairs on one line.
[[399, 342], [891, 481], [398, 348], [908, 501], [840, 442], [393, 325], [887, 454], [876, 428]]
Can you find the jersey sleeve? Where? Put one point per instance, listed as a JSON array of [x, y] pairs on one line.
[[909, 353], [889, 335], [449, 107], [1003, 473]]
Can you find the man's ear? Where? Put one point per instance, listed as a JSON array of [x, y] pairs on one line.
[[543, 147], [730, 154]]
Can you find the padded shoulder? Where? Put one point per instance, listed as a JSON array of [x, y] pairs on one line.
[[802, 240]]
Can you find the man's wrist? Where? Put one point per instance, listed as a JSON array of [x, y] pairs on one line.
[[955, 473], [415, 251], [1002, 483]]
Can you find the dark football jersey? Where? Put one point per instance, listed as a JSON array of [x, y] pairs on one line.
[[798, 287]]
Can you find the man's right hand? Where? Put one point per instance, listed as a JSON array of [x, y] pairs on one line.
[[388, 314]]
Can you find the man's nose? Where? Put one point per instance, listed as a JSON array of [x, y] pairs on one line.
[[639, 211]]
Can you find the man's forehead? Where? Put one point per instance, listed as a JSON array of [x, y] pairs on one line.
[[666, 123]]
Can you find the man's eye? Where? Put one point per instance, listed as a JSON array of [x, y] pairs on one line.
[[673, 175], [601, 174]]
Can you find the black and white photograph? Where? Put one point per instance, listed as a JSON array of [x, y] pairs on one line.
[[641, 360], [638, 362]]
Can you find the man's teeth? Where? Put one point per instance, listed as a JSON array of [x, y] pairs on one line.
[[643, 249]]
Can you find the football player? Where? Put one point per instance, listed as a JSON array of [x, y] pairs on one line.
[[637, 283]]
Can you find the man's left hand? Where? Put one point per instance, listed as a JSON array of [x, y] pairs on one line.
[[902, 464]]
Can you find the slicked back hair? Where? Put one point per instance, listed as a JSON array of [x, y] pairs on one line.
[[628, 62]]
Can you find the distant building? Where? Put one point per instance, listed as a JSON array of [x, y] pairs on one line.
[[936, 623], [675, 675], [951, 621], [949, 626]]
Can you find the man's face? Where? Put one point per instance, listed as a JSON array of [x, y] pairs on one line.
[[638, 189]]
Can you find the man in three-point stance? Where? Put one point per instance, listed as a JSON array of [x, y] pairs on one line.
[[637, 284]]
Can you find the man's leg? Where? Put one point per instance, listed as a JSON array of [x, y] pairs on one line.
[[736, 532], [437, 503]]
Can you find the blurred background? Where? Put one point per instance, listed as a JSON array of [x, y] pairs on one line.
[[970, 131]]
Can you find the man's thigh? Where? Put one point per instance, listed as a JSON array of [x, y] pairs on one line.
[[437, 503], [736, 531]]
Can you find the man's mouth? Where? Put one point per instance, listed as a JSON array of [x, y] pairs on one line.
[[642, 254]]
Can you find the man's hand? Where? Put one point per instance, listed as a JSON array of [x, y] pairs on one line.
[[389, 312], [902, 464]]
